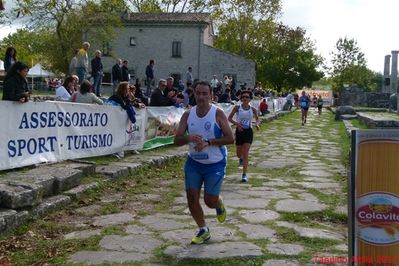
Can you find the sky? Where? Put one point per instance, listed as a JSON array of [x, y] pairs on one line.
[[372, 25]]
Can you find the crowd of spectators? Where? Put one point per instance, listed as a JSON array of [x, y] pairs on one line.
[[76, 87]]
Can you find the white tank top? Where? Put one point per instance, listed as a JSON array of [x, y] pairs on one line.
[[244, 117], [208, 128]]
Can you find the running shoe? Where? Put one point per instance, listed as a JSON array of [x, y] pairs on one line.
[[221, 212], [201, 236], [244, 178]]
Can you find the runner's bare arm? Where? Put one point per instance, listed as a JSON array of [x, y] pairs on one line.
[[255, 112], [232, 113]]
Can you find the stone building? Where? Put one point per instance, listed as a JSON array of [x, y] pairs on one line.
[[175, 41]]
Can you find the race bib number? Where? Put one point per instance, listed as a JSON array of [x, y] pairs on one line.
[[245, 123], [200, 156]]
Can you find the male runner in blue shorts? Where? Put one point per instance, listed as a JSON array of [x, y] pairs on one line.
[[208, 131]]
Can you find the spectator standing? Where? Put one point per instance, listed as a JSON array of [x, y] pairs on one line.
[[149, 73], [73, 64], [15, 84], [116, 74], [214, 82], [189, 77], [82, 65], [10, 58], [97, 72], [125, 71], [84, 95], [289, 99], [206, 130]]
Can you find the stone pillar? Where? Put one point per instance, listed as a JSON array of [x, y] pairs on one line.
[[394, 72], [386, 82]]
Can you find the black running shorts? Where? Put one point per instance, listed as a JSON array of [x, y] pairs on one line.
[[245, 136]]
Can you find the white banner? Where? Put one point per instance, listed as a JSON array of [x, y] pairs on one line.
[[135, 133], [40, 132], [37, 132]]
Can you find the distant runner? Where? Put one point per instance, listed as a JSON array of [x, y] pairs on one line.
[[319, 104], [244, 134], [304, 102]]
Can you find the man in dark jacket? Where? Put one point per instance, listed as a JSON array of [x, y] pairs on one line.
[[125, 71], [149, 72], [97, 72], [158, 97], [116, 74]]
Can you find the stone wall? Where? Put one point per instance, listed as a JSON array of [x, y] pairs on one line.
[[355, 96]]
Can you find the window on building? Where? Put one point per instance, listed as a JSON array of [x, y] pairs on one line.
[[176, 49], [106, 49], [132, 41]]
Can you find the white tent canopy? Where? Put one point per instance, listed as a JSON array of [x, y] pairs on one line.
[[38, 71]]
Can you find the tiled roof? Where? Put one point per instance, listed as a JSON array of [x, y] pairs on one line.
[[168, 17]]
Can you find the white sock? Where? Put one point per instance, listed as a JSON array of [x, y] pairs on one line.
[[205, 228]]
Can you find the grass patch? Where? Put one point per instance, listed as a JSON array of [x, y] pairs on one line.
[[114, 230], [329, 216], [359, 124], [109, 208]]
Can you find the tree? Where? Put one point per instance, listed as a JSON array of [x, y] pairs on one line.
[[28, 44], [349, 66], [287, 59], [240, 16], [347, 53], [67, 21]]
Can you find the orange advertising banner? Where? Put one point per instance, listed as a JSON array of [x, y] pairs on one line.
[[326, 95], [374, 202]]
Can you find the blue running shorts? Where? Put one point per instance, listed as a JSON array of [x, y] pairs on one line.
[[211, 175]]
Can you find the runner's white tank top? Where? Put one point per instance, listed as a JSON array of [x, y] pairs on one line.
[[244, 117], [208, 128]]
